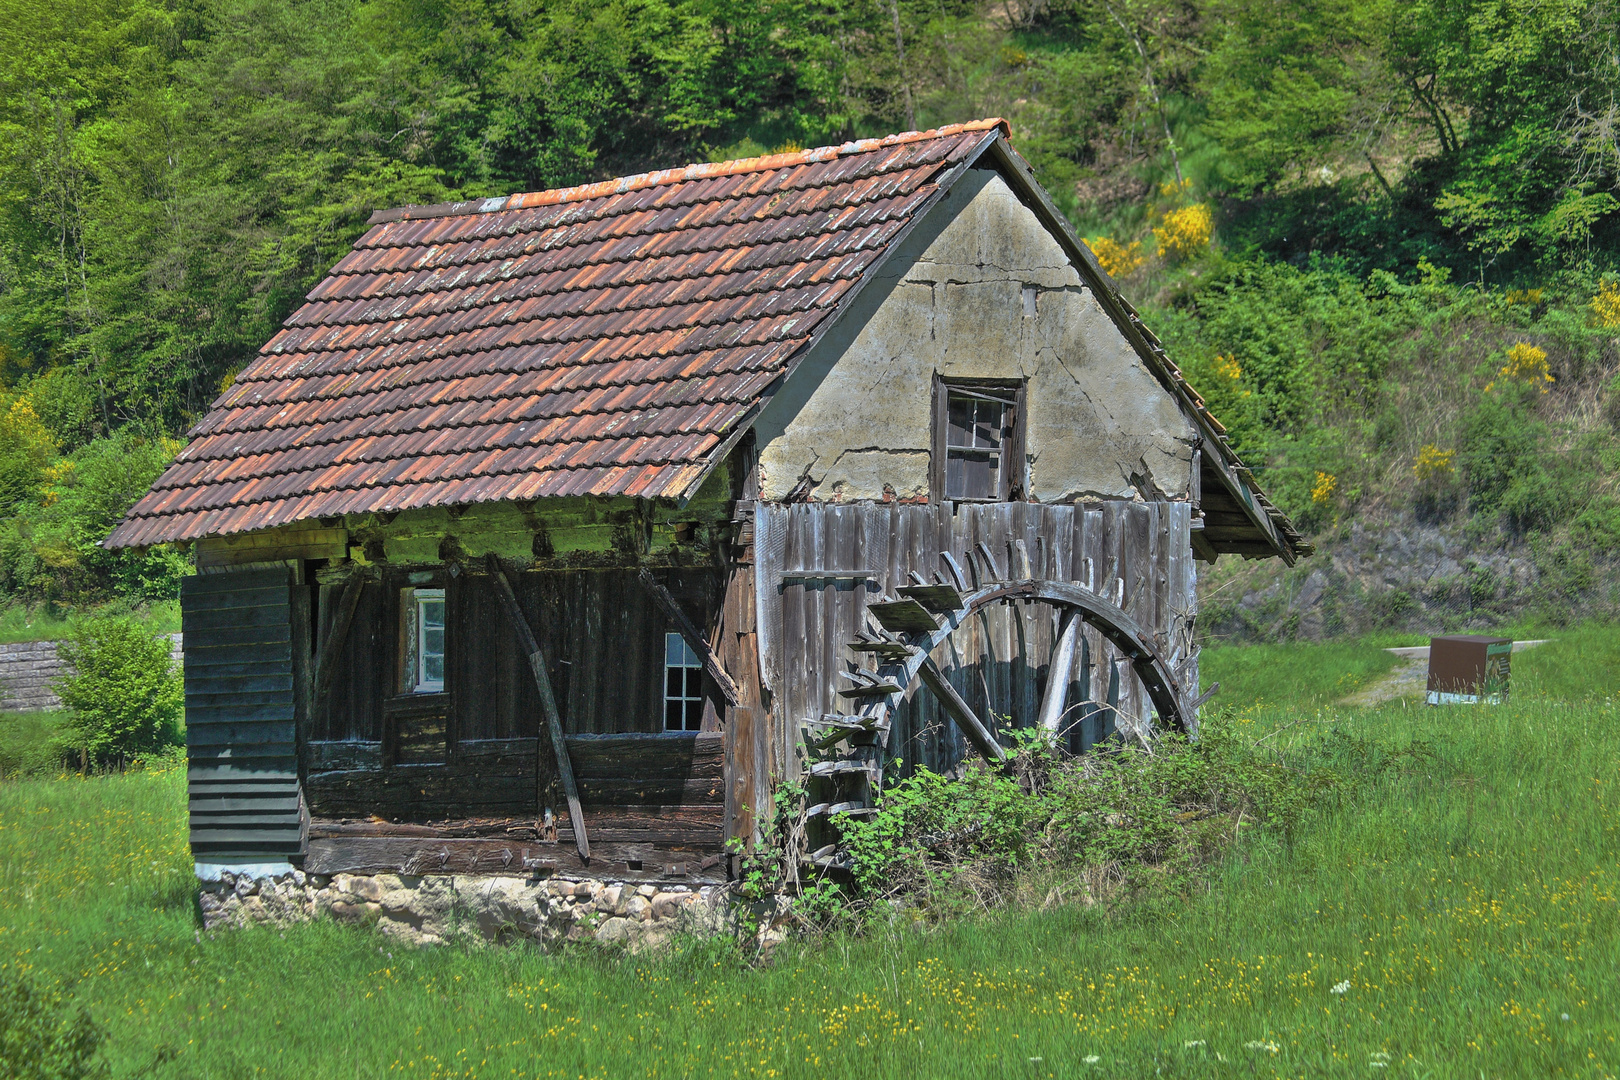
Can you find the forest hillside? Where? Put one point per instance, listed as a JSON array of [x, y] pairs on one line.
[[1381, 236]]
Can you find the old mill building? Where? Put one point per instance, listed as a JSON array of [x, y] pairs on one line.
[[554, 529]]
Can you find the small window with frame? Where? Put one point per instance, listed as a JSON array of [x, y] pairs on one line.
[[978, 440], [683, 685], [424, 640]]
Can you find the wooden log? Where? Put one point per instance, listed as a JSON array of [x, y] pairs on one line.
[[670, 824], [698, 644], [513, 858], [548, 702], [958, 710], [1059, 672]]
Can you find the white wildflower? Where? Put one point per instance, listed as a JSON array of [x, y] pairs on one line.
[[1190, 1043], [1091, 1059], [1259, 1044], [1341, 987]]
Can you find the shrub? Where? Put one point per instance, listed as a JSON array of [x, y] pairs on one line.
[[1606, 305], [43, 1036], [1126, 815], [1184, 232], [122, 687], [1117, 260]]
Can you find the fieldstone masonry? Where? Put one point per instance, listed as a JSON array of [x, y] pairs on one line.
[[434, 908], [29, 670]]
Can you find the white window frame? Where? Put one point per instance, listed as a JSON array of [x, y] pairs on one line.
[[689, 661], [420, 683]]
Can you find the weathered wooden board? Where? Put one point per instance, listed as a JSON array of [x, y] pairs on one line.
[[1131, 551], [417, 855]]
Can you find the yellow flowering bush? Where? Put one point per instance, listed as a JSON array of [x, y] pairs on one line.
[[1185, 231], [1526, 364], [1322, 491], [1434, 463], [1117, 260], [1227, 367], [1606, 305], [1523, 297], [56, 476]]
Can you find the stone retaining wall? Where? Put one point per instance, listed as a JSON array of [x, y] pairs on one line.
[[434, 908], [29, 669]]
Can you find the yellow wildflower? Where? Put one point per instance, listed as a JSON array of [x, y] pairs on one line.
[[1526, 364], [1526, 297], [1117, 260], [1170, 189], [1227, 367], [1322, 491], [1433, 462]]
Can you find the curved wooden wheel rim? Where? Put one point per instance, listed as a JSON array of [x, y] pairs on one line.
[[1122, 631]]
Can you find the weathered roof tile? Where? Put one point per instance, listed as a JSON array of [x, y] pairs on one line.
[[595, 340]]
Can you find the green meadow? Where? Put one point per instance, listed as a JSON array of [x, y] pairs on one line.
[[1448, 909]]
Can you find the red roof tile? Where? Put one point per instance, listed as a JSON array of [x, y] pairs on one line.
[[596, 340]]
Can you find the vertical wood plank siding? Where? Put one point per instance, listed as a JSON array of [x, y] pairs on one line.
[[242, 699], [603, 637], [998, 660]]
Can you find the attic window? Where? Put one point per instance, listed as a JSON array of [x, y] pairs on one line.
[[978, 441]]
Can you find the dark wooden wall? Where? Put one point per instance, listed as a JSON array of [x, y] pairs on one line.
[[998, 660], [472, 751]]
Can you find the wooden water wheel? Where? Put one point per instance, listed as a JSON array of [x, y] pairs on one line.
[[911, 625]]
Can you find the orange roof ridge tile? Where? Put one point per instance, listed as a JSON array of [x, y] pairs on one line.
[[622, 184]]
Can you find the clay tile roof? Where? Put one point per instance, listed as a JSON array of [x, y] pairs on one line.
[[594, 340]]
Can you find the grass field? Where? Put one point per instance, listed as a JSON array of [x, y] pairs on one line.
[[1456, 916]]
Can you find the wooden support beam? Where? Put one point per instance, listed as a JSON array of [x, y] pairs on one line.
[[326, 663], [548, 701], [1058, 674], [958, 710], [695, 640]]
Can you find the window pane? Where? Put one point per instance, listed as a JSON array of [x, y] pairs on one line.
[[694, 716], [673, 682], [694, 682], [673, 716], [432, 612], [433, 667], [673, 644]]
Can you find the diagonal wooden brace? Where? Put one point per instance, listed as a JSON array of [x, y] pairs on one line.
[[711, 663], [326, 663], [548, 700]]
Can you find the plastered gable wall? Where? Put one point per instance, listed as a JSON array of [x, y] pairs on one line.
[[979, 290]]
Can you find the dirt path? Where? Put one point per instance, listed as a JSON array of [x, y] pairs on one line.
[[1410, 677]]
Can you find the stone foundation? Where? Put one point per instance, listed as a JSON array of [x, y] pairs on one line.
[[437, 907]]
